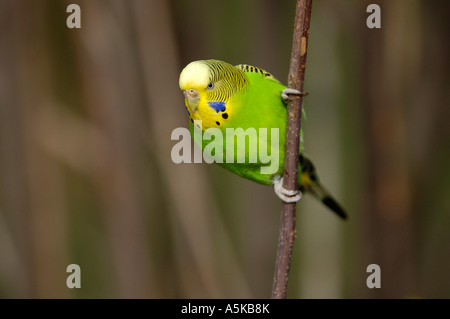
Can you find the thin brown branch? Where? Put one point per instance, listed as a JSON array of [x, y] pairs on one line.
[[295, 80]]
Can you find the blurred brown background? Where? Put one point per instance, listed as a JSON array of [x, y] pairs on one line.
[[86, 175]]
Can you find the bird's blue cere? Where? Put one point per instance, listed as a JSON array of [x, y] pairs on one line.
[[217, 106]]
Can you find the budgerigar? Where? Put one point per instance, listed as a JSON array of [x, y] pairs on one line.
[[224, 96]]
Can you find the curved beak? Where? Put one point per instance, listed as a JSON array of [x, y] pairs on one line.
[[192, 99]]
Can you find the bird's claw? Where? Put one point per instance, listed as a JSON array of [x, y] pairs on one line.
[[288, 91], [286, 195]]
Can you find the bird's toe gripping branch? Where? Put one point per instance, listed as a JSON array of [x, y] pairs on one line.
[[286, 195], [288, 91]]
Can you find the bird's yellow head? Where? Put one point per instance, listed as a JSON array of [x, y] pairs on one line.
[[208, 86]]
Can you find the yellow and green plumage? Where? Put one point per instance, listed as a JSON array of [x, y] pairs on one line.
[[223, 96]]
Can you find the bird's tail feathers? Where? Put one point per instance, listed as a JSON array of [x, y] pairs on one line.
[[324, 196], [310, 182]]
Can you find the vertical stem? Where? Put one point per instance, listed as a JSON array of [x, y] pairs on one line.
[[295, 80]]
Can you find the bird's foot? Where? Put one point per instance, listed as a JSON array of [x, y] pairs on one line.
[[288, 91], [286, 195]]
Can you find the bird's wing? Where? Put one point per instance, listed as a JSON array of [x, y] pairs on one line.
[[246, 68]]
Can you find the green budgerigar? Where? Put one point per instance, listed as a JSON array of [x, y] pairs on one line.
[[223, 98]]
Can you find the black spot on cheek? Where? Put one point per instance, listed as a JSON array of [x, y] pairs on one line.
[[192, 121], [225, 115], [218, 123]]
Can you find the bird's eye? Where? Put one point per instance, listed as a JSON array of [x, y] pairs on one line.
[[210, 86]]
